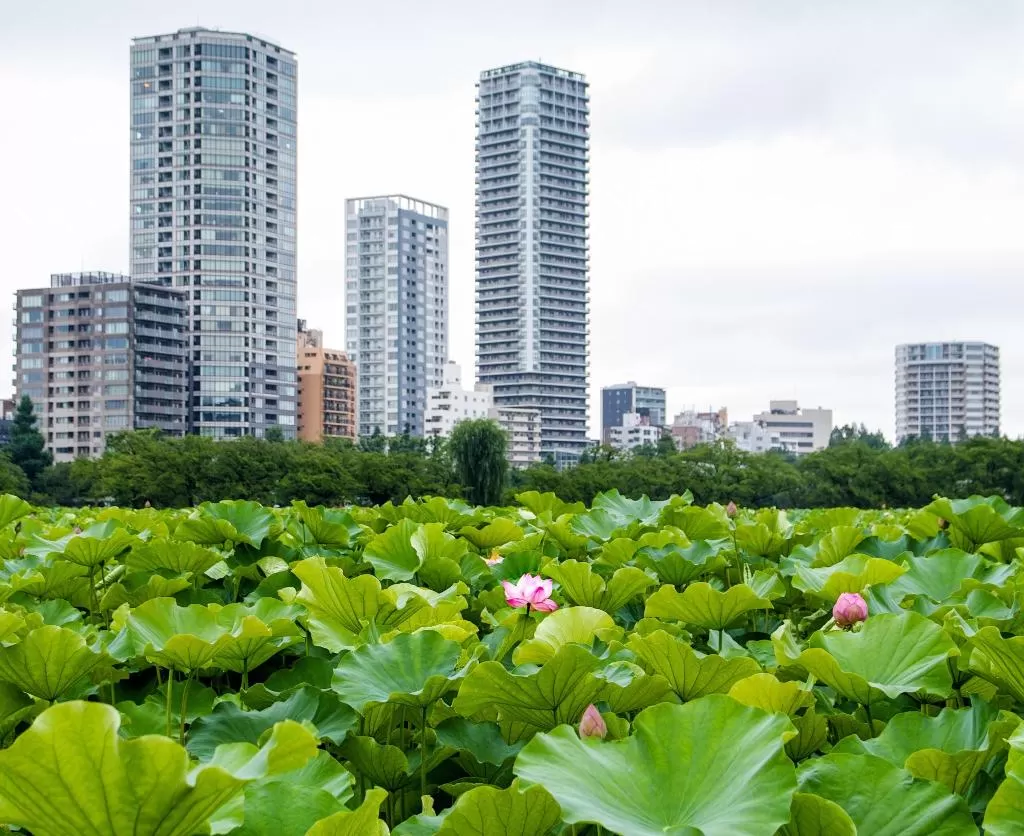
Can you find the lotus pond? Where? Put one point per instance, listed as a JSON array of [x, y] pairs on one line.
[[632, 668]]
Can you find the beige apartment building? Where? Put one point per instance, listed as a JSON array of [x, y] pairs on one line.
[[327, 389]]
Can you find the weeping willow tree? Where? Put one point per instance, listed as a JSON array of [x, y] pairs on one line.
[[478, 451]]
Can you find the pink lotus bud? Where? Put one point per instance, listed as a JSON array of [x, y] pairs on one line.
[[850, 609], [592, 724], [494, 559], [530, 591], [731, 510]]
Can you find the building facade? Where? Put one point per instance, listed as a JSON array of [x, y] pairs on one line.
[[532, 247], [98, 354], [213, 138], [634, 430], [451, 403], [523, 426], [625, 398], [947, 391], [692, 427], [396, 304], [786, 428], [327, 389]]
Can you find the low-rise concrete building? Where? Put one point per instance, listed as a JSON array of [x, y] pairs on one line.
[[450, 403], [784, 427]]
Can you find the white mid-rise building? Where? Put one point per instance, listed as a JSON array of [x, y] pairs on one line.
[[523, 427], [635, 431], [947, 391], [396, 308], [450, 403], [784, 427]]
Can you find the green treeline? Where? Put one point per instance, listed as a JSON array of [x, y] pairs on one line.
[[141, 467]]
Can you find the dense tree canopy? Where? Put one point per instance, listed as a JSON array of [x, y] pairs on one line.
[[141, 467]]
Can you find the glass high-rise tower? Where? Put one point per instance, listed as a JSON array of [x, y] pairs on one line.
[[213, 132], [532, 284]]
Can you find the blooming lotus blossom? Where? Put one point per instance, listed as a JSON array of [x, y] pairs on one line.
[[731, 510], [530, 591], [850, 609], [494, 559], [592, 724]]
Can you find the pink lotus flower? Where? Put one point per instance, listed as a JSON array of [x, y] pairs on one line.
[[494, 558], [592, 724], [850, 609], [530, 591], [731, 510]]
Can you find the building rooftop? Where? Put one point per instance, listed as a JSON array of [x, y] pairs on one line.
[[191, 32]]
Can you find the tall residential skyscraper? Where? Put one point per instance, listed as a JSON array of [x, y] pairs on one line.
[[532, 165], [98, 354], [213, 213], [946, 391], [396, 303]]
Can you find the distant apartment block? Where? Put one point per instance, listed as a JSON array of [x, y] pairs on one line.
[[785, 427], [327, 389], [532, 247], [625, 398], [396, 304], [636, 430], [450, 403], [98, 354], [947, 391], [213, 190], [523, 426], [691, 428]]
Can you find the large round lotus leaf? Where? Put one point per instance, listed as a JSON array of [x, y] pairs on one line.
[[70, 773], [175, 555], [364, 821], [581, 585], [951, 748], [413, 669], [231, 520], [703, 605], [689, 675], [712, 766], [569, 625], [851, 574], [183, 638], [489, 811], [676, 564], [890, 655], [49, 662], [812, 815], [764, 691], [998, 660], [883, 799], [99, 543], [1005, 812], [980, 519]]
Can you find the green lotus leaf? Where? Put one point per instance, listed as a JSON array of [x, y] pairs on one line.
[[1005, 810], [183, 638], [581, 585], [482, 740], [812, 815], [99, 543], [255, 633], [643, 510], [15, 706], [385, 765], [294, 801], [703, 605], [598, 524], [569, 625], [998, 660], [761, 539], [811, 735], [13, 626], [12, 508], [496, 533], [689, 675], [837, 543], [228, 521], [883, 799], [950, 749], [227, 723], [392, 554], [414, 669], [677, 564], [70, 773], [548, 503], [764, 691], [47, 578], [630, 688], [938, 575], [431, 542], [139, 587], [454, 513], [321, 526], [698, 523], [851, 574], [489, 811], [558, 692], [890, 655], [617, 552], [49, 662], [179, 556], [150, 716], [364, 821], [979, 520], [340, 608], [669, 776]]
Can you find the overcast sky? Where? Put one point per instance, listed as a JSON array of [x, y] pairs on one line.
[[780, 191]]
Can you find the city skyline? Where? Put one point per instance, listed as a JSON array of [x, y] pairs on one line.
[[791, 214]]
